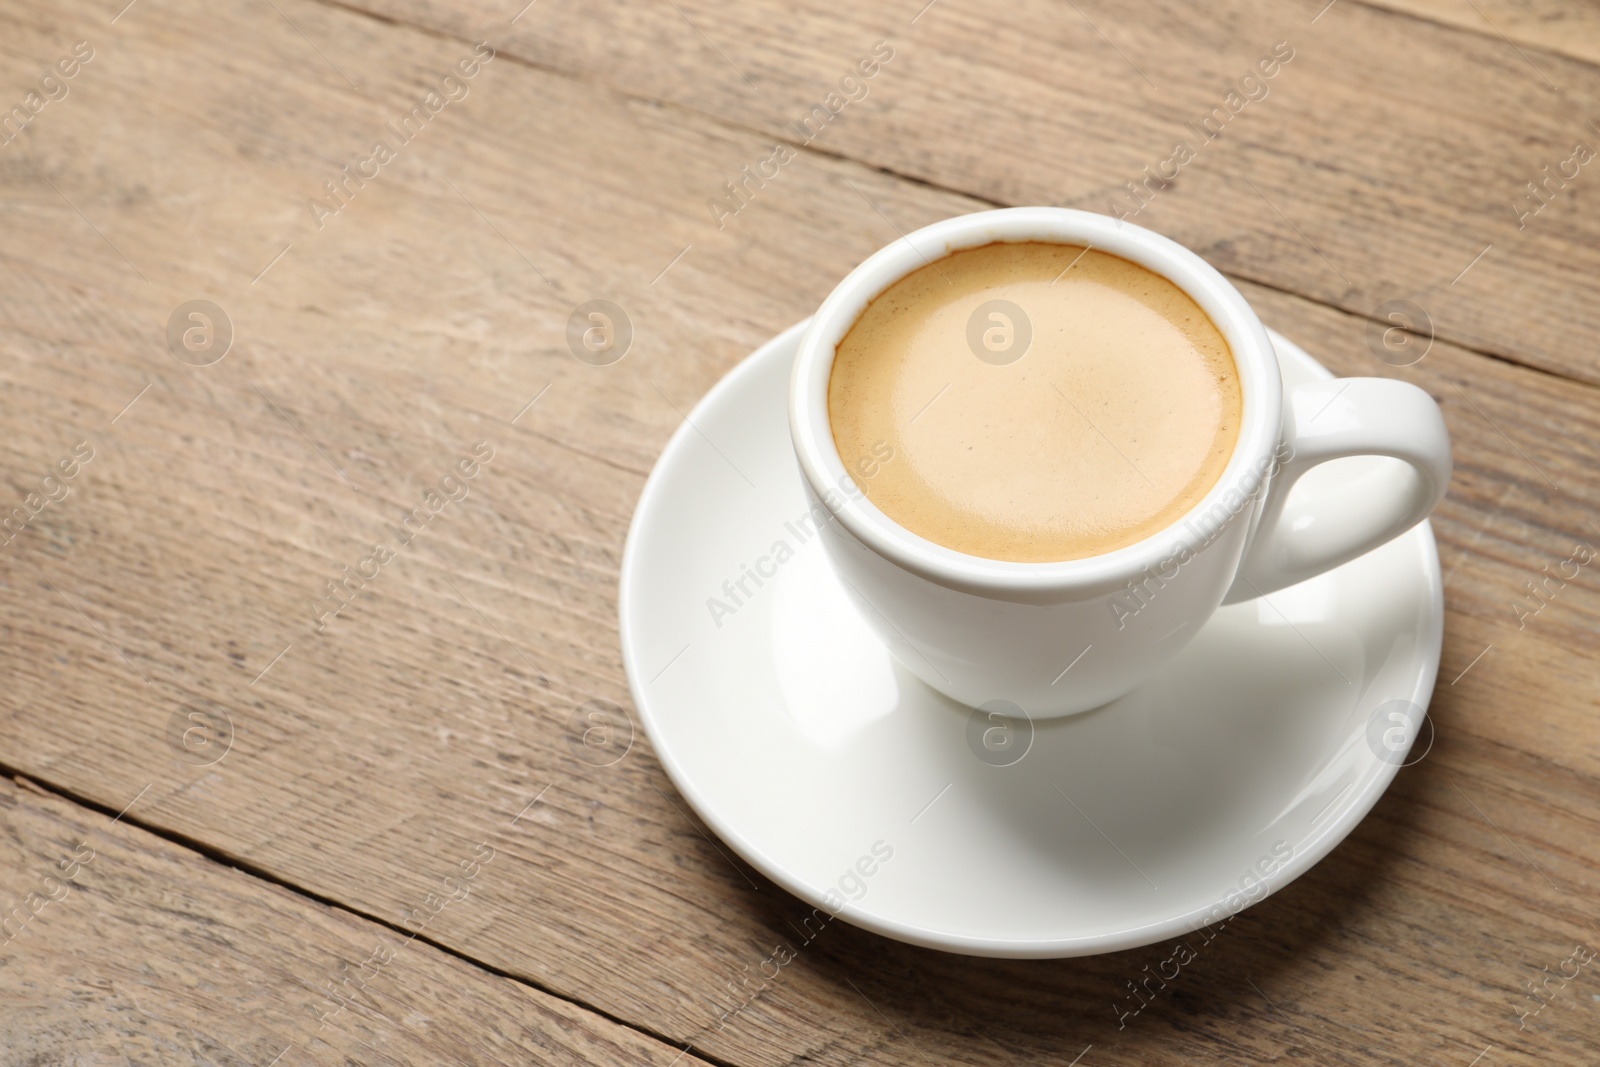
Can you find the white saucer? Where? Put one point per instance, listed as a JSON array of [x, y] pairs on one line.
[[802, 743]]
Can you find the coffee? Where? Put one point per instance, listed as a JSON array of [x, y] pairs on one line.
[[1043, 402]]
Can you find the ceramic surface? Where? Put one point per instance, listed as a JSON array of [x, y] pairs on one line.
[[982, 630], [792, 731]]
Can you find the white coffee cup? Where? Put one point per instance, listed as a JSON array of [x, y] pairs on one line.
[[1054, 638]]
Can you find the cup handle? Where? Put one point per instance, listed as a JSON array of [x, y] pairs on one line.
[[1300, 538]]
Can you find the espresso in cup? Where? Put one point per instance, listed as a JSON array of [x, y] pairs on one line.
[[1045, 402]]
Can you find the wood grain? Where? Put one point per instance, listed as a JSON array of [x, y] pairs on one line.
[[1383, 159], [368, 759], [120, 947], [1570, 29]]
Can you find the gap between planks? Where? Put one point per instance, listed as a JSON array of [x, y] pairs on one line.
[[730, 124], [34, 784]]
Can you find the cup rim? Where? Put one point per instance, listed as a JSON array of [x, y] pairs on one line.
[[824, 470]]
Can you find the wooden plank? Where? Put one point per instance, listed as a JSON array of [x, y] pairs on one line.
[[120, 947], [369, 757], [1570, 29], [1378, 164]]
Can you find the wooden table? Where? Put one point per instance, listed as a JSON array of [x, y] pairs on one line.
[[248, 821]]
